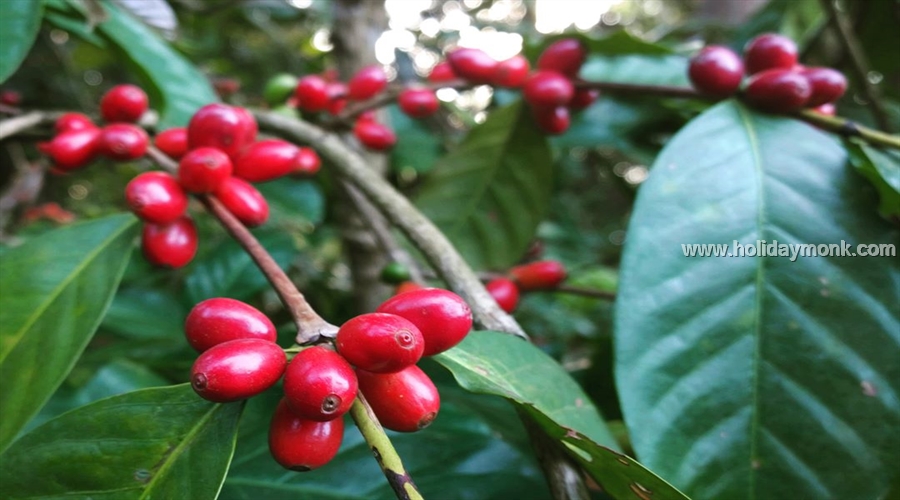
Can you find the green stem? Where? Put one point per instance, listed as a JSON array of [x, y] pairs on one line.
[[384, 452]]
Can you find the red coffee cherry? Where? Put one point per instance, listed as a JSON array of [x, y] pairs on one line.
[[220, 319], [10, 97], [337, 97], [442, 72], [583, 98], [173, 142], [307, 162], [303, 445], [70, 122], [72, 150], [366, 83], [505, 292], [828, 85], [379, 342], [539, 275], [237, 369], [769, 51], [512, 72], [156, 197], [552, 120], [123, 103], [716, 70], [547, 89], [319, 384], [418, 103], [267, 160], [312, 93], [564, 56], [405, 401], [123, 142], [374, 135], [227, 128], [443, 317], [203, 170], [778, 90], [473, 65], [170, 245], [243, 201]]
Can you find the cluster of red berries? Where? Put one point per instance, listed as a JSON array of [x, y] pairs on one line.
[[777, 82], [218, 155], [376, 354], [549, 90], [506, 290]]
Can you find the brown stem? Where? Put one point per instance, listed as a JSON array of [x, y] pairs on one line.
[[859, 62], [390, 95], [18, 124], [645, 90], [310, 326], [442, 255], [562, 473]]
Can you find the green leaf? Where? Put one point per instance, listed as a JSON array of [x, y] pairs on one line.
[[490, 194], [180, 87], [759, 377], [622, 477], [230, 272], [20, 21], [56, 288], [503, 365], [420, 147], [642, 69], [117, 377], [457, 457], [154, 443], [882, 168], [622, 42], [143, 313], [293, 202], [799, 20]]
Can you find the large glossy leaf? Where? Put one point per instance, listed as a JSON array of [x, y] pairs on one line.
[[759, 377], [229, 272], [140, 312], [20, 21], [457, 457], [179, 87], [490, 194], [154, 443], [503, 365], [666, 69], [55, 289]]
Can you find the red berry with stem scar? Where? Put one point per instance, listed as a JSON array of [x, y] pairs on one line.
[[123, 103], [203, 170], [156, 197], [237, 369], [379, 342], [226, 128], [319, 384], [72, 150], [243, 201], [405, 401], [123, 142], [443, 317], [418, 103], [170, 245], [778, 90], [302, 445]]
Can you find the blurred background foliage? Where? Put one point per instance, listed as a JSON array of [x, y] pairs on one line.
[[598, 164]]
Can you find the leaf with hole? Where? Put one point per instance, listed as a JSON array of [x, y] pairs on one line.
[[56, 288], [489, 195], [154, 443], [760, 376]]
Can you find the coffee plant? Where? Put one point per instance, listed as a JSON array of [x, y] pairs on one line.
[[238, 260]]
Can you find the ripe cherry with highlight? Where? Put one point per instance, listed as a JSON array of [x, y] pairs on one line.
[[123, 142], [405, 401], [538, 275], [243, 201], [203, 170], [564, 56], [156, 197], [374, 135], [70, 122], [319, 384], [227, 128], [443, 317], [547, 89], [72, 150], [220, 319], [379, 342], [302, 445], [123, 103], [473, 65], [769, 51], [778, 90], [418, 103], [716, 70], [505, 292], [170, 245], [173, 142], [366, 83], [237, 369]]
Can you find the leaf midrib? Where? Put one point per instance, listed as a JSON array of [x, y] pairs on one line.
[[57, 292], [760, 277]]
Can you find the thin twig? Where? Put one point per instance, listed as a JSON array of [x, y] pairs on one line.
[[849, 128], [18, 124], [859, 62], [310, 326], [442, 255], [384, 452], [645, 90], [353, 110]]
